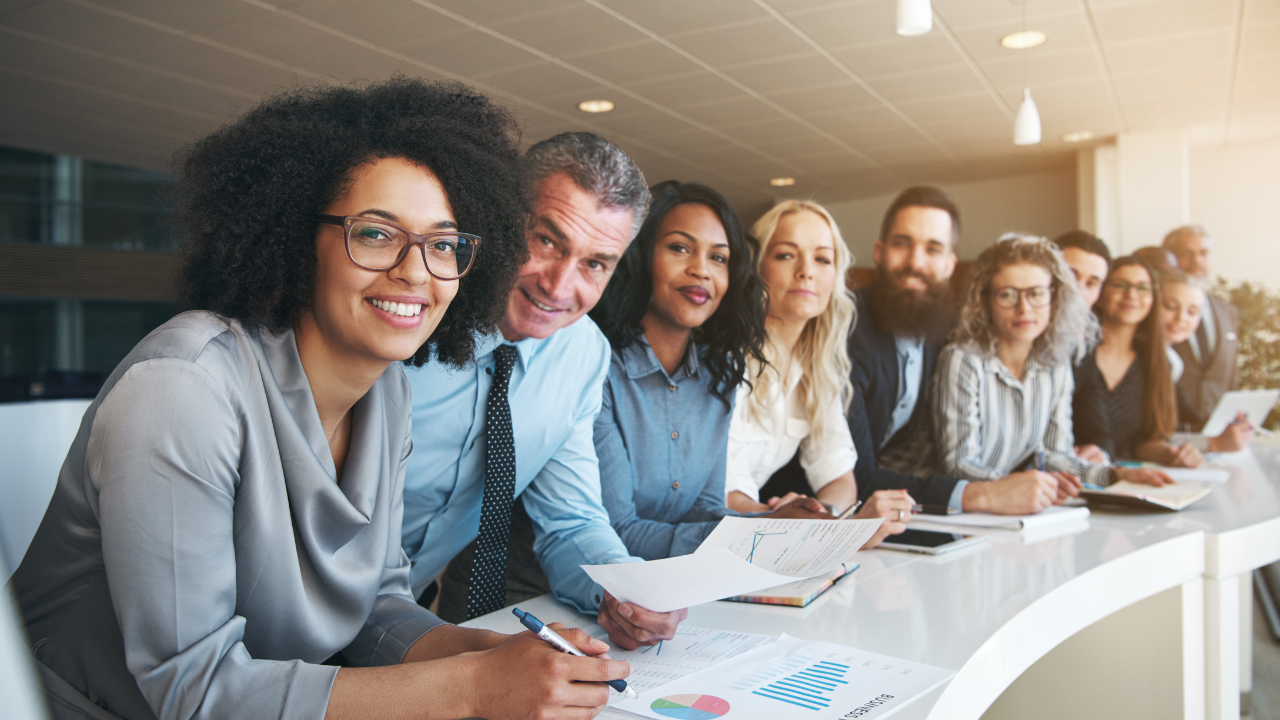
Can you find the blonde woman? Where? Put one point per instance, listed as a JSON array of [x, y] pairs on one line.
[[798, 399], [1001, 396]]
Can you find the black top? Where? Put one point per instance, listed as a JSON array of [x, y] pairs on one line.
[[1117, 429]]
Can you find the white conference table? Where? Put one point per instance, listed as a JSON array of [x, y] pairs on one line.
[[1129, 615], [1241, 523]]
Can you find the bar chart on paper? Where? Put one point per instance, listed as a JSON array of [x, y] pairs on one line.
[[797, 681], [791, 678]]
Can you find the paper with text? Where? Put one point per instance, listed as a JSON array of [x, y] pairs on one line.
[[691, 650], [796, 548], [685, 581], [792, 678]]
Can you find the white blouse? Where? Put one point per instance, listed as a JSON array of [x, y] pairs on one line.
[[759, 449]]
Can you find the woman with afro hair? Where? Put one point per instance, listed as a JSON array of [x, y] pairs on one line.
[[228, 517]]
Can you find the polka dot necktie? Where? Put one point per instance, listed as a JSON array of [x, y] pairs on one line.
[[489, 574]]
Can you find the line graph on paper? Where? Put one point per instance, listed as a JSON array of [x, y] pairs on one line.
[[756, 538]]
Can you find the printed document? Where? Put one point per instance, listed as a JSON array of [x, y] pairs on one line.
[[791, 678]]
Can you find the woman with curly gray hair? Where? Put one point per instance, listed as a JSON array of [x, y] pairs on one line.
[[1001, 396]]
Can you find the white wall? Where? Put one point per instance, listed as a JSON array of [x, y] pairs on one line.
[[1235, 193], [1040, 203]]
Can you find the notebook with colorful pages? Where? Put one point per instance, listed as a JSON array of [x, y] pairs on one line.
[[1134, 496], [799, 593]]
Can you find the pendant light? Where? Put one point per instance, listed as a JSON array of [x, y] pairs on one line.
[[1026, 128], [915, 17]]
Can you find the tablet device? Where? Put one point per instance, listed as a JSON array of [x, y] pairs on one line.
[[930, 542], [1256, 404]]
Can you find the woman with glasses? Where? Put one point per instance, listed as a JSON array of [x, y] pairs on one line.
[[1001, 396], [1131, 368], [228, 517]]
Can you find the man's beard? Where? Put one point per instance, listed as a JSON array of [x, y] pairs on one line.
[[911, 313]]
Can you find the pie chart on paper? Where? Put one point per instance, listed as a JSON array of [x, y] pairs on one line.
[[690, 707]]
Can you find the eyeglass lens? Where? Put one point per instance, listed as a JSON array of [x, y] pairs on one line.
[[1010, 297], [379, 247], [1123, 287]]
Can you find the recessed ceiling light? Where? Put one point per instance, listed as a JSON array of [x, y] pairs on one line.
[[1077, 136], [595, 106], [1023, 40], [782, 182]]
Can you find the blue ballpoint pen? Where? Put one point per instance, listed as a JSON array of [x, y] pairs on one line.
[[553, 639]]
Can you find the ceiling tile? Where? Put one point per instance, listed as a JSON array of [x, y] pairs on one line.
[[667, 17], [966, 13], [845, 96], [889, 55], [413, 24], [755, 41], [787, 74], [570, 30], [696, 88], [635, 63], [734, 110], [839, 25], [25, 52], [87, 28], [1169, 54], [287, 40], [214, 64], [937, 82], [470, 53], [1136, 21], [493, 11], [542, 79]]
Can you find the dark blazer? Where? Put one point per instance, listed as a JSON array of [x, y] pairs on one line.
[[874, 356], [1203, 384]]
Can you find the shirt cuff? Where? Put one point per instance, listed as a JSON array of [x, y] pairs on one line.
[[957, 495], [1099, 475]]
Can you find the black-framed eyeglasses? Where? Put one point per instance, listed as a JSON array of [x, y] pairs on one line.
[[1010, 297], [381, 245], [1124, 287]]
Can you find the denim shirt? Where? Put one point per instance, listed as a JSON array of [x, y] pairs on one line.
[[662, 442]]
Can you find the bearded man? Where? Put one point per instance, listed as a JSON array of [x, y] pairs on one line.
[[903, 318]]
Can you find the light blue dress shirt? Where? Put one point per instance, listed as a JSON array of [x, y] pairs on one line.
[[555, 395], [662, 442], [910, 380], [910, 372]]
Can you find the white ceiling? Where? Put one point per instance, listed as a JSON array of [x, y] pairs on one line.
[[727, 92]]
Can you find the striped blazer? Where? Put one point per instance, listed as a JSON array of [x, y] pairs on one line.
[[989, 423]]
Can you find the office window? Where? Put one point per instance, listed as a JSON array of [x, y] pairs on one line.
[[65, 200], [26, 186]]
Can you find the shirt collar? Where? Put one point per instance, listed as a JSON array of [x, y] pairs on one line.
[[996, 367], [526, 349], [639, 361]]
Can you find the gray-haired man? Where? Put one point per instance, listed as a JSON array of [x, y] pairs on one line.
[[1209, 356], [474, 451]]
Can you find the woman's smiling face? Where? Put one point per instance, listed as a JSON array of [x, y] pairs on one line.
[[690, 266], [382, 315]]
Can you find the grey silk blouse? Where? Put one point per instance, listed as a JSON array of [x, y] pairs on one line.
[[200, 555]]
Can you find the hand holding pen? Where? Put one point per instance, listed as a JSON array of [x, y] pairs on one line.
[[557, 641]]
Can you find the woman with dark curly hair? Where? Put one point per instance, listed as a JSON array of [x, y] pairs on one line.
[[228, 516], [684, 311]]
